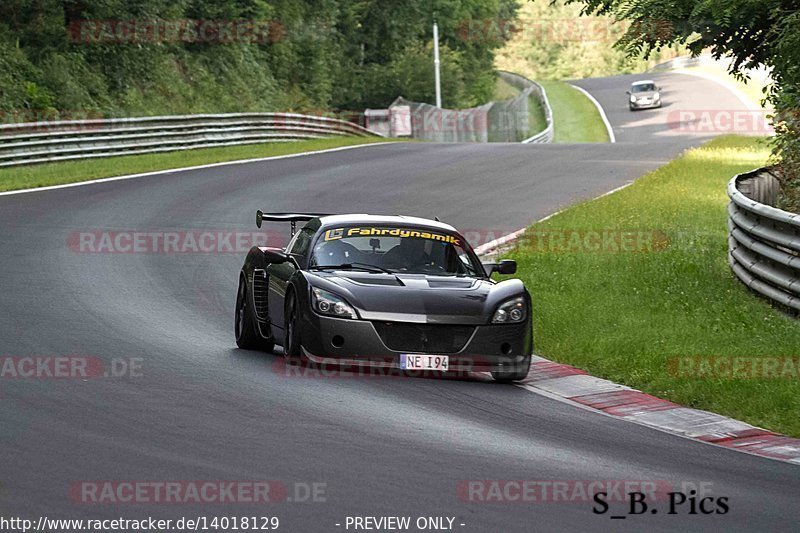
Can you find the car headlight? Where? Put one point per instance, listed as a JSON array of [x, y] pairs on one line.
[[511, 312], [633, 99], [326, 303]]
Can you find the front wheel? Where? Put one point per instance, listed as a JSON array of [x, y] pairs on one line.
[[291, 343], [516, 373], [247, 337]]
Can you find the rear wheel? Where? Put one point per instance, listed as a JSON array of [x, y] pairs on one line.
[[516, 373], [247, 336]]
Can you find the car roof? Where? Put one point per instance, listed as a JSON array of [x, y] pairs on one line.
[[385, 220], [643, 82]]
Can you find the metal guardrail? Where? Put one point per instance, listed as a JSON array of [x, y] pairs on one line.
[[496, 121], [40, 142], [546, 135], [763, 242]]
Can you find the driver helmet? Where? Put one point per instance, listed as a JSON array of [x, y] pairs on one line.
[[332, 253]]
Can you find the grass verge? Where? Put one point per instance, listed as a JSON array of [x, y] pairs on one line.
[[504, 90], [536, 118], [25, 177], [575, 118], [627, 316]]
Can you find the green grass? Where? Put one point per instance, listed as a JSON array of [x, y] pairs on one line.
[[504, 90], [576, 119], [623, 315], [536, 119], [25, 177]]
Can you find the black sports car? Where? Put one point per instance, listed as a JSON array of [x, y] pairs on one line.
[[392, 291]]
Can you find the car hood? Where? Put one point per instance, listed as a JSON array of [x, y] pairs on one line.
[[646, 94], [419, 298]]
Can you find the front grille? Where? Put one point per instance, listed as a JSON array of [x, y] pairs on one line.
[[430, 338], [260, 292]]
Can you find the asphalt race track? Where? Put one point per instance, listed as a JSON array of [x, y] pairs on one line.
[[679, 93], [385, 446]]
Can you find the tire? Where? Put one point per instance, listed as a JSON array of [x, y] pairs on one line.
[[517, 374], [244, 326], [292, 345]]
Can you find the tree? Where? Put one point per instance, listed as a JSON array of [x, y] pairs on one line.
[[137, 57]]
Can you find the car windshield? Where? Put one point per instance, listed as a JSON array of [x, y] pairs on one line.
[[394, 249], [643, 88]]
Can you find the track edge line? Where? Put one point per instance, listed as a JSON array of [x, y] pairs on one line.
[[196, 167], [611, 137]]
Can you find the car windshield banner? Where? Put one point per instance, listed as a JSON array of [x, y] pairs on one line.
[[403, 233]]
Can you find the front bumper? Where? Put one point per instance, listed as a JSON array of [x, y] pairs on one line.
[[337, 341], [648, 105]]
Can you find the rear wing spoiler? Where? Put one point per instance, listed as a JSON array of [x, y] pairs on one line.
[[293, 218]]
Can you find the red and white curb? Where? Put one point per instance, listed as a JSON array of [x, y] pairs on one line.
[[575, 385]]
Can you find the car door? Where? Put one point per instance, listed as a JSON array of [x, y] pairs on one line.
[[279, 274]]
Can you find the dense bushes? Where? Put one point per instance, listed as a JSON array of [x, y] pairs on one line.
[[552, 41], [73, 57]]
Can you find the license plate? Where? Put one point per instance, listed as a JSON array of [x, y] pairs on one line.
[[424, 362]]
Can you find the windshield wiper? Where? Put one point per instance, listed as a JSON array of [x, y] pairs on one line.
[[354, 266]]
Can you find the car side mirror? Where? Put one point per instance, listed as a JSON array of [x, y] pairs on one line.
[[276, 256], [627, 92], [506, 266]]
